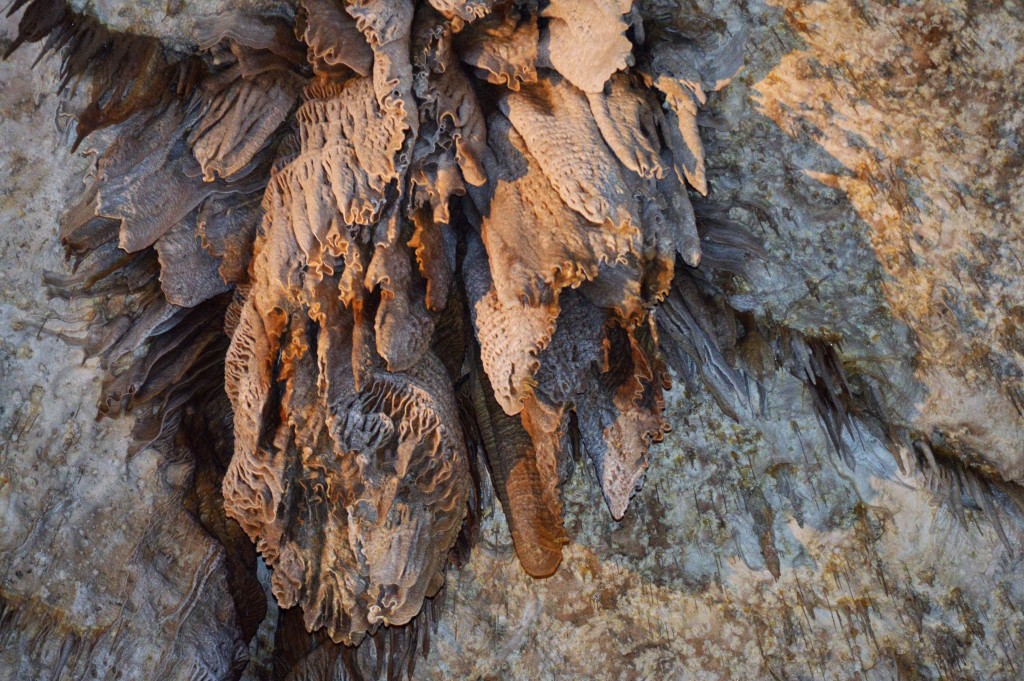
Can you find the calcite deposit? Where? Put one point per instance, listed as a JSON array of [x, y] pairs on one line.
[[519, 339]]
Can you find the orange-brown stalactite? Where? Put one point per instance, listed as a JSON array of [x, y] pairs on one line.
[[294, 213]]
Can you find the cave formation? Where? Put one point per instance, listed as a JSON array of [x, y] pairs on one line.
[[370, 264]]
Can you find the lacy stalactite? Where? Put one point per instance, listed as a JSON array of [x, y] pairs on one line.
[[396, 145]]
